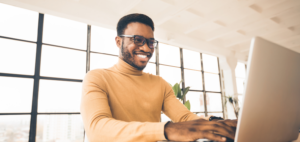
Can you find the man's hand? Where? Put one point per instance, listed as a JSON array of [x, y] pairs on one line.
[[200, 128]]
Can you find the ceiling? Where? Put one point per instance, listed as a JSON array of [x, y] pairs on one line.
[[218, 27]]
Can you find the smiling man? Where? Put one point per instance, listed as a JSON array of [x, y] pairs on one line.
[[124, 104]]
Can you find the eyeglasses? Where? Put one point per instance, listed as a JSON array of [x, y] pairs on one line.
[[140, 41]]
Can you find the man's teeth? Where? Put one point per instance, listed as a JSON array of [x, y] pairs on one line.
[[142, 56]]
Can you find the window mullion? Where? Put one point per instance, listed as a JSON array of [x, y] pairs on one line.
[[88, 48], [182, 73], [33, 120], [221, 89], [157, 59], [203, 85]]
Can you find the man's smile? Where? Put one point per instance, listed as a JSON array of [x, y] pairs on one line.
[[142, 56]]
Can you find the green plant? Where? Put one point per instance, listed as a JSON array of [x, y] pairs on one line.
[[234, 103], [180, 94]]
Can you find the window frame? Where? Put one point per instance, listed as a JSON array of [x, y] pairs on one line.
[[37, 77]]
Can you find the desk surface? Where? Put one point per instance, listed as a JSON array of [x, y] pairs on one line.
[[205, 140], [200, 140]]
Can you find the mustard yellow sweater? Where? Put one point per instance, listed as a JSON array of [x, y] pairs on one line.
[[123, 104]]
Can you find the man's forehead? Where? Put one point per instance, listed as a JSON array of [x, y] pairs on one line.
[[137, 28]]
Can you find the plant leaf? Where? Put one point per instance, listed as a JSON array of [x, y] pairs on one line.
[[230, 99], [187, 104], [179, 95], [175, 89], [185, 90]]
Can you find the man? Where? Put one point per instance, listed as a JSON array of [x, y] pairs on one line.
[[124, 104]]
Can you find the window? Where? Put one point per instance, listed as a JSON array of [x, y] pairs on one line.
[[10, 26], [63, 63], [36, 80], [15, 94], [200, 73], [150, 68], [17, 57], [169, 55], [205, 99], [100, 61], [196, 100], [193, 79], [170, 74], [240, 74], [14, 128], [58, 93], [103, 40], [64, 32], [59, 127]]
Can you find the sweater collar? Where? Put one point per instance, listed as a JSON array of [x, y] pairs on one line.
[[124, 67]]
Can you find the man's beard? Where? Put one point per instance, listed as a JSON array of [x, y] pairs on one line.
[[128, 58]]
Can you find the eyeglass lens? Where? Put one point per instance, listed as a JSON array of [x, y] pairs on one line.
[[139, 40]]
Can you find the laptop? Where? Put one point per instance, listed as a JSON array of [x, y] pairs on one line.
[[271, 107]]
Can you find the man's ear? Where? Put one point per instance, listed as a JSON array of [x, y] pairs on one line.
[[118, 41]]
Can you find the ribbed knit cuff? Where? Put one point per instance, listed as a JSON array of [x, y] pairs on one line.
[[164, 130], [159, 131]]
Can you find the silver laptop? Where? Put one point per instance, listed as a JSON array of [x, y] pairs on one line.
[[271, 107]]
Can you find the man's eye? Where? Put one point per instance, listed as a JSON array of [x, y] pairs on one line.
[[151, 42], [138, 40]]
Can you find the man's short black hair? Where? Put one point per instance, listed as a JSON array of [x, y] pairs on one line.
[[135, 17]]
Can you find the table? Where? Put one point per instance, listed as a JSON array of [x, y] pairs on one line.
[[205, 140]]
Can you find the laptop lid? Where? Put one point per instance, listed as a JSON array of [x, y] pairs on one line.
[[271, 107]]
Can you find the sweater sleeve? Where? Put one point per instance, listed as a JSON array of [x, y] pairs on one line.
[[174, 109], [99, 124]]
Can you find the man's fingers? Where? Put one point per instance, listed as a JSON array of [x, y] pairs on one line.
[[224, 130], [218, 128], [231, 123], [209, 135]]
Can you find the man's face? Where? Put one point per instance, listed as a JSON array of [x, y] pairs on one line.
[[136, 56]]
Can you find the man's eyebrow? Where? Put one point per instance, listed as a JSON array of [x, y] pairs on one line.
[[146, 38]]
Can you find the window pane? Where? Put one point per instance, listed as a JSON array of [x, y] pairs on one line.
[[164, 118], [65, 63], [210, 63], [14, 128], [170, 74], [212, 82], [150, 68], [103, 40], [240, 70], [191, 59], [240, 83], [18, 23], [17, 57], [153, 58], [102, 61], [196, 101], [59, 128], [64, 32], [214, 102], [169, 55], [241, 100], [216, 114], [65, 95], [15, 94], [193, 79]]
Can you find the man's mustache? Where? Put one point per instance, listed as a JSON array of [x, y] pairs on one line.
[[144, 53]]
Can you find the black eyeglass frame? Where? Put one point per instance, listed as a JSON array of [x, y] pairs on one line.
[[148, 40]]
